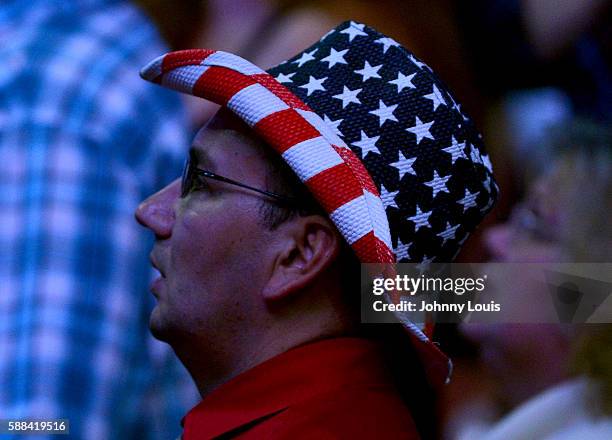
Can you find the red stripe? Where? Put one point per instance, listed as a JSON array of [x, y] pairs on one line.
[[360, 171], [370, 249], [184, 58], [334, 187], [286, 95], [219, 84], [284, 129]]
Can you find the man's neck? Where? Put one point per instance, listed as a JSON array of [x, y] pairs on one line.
[[211, 367]]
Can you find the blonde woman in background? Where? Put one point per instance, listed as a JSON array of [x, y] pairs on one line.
[[556, 379]]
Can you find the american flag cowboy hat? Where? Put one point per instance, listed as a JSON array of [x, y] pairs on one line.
[[371, 131]]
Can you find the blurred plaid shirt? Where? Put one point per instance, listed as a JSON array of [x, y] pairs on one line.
[[82, 140]]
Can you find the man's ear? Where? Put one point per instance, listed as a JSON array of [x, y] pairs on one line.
[[309, 246]]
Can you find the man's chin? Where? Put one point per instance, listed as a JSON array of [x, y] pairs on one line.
[[158, 326]]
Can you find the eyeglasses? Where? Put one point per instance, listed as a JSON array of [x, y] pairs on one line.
[[191, 172]]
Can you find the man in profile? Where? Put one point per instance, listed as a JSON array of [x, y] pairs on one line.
[[352, 151]]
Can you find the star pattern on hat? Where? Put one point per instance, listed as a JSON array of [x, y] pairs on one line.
[[369, 71], [306, 56], [354, 30], [367, 144], [384, 112], [282, 78], [335, 57], [387, 197], [448, 233], [348, 96], [421, 130], [333, 124], [469, 200], [386, 43], [408, 131], [456, 150], [313, 85], [438, 184], [402, 81], [420, 219], [402, 250], [404, 165], [436, 97]]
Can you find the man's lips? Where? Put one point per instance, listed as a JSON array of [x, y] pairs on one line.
[[155, 264]]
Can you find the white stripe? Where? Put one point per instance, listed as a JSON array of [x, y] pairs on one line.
[[152, 70], [310, 157], [328, 132], [352, 219], [379, 218], [234, 62], [183, 78], [255, 102]]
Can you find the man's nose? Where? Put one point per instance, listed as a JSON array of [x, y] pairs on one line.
[[157, 211], [497, 240]]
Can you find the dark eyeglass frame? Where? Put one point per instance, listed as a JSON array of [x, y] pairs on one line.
[[190, 170]]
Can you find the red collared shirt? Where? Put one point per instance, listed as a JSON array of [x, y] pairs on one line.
[[336, 388]]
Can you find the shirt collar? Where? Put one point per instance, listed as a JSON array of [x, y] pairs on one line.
[[288, 378]]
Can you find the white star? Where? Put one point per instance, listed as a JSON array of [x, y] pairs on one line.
[[387, 43], [438, 184], [306, 56], [455, 150], [402, 81], [335, 57], [424, 264], [367, 144], [436, 97], [448, 233], [347, 96], [314, 85], [404, 165], [388, 198], [384, 112], [401, 250], [282, 78], [420, 219], [354, 30], [475, 154], [469, 200], [334, 124], [369, 71], [421, 130]]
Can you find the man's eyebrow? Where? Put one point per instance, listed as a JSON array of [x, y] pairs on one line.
[[202, 157]]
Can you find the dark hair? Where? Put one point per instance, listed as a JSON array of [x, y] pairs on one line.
[[282, 180]]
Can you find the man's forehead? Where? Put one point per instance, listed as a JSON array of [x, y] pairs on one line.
[[224, 137]]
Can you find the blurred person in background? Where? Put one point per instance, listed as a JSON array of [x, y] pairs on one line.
[[537, 63], [555, 378], [82, 140]]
